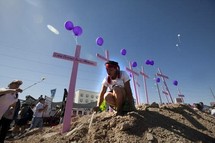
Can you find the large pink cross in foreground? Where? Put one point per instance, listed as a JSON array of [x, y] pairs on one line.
[[133, 73], [70, 98], [145, 86], [164, 81]]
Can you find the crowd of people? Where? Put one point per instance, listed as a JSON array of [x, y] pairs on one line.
[[11, 110]]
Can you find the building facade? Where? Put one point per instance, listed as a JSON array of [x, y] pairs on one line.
[[85, 97]]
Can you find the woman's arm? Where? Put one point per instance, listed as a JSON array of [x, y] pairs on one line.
[[101, 95], [43, 108], [6, 91], [128, 90]]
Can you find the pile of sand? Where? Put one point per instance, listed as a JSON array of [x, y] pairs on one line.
[[154, 124]]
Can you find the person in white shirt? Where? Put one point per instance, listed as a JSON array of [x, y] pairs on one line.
[[119, 93], [9, 96], [37, 120], [213, 111]]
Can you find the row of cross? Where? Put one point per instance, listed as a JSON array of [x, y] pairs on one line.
[[76, 60]]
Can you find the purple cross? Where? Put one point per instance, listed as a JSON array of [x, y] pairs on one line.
[[70, 98]]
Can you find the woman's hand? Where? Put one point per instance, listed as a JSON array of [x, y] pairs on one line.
[[18, 90], [96, 109]]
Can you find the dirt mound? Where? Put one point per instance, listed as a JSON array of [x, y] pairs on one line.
[[154, 124]]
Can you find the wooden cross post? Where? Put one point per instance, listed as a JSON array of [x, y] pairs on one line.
[[133, 73], [212, 93], [106, 58], [158, 90], [180, 95], [69, 102], [163, 78], [138, 90], [166, 94], [145, 86]]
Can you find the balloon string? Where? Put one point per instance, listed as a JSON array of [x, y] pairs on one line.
[[126, 60], [76, 39], [179, 40], [103, 49]]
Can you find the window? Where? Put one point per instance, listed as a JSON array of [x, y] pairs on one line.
[[79, 112], [82, 95], [87, 95], [86, 100], [92, 96], [81, 100], [74, 112]]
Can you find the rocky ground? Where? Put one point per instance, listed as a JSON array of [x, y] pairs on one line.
[[149, 124]]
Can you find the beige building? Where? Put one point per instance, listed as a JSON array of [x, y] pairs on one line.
[[85, 97]]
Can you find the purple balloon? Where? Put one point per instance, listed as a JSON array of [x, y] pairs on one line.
[[123, 52], [99, 41], [134, 64], [77, 30], [175, 82], [147, 62], [152, 62], [158, 80], [69, 25]]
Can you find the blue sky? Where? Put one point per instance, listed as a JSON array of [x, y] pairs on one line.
[[146, 29]]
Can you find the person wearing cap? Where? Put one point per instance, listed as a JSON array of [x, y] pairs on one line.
[[9, 95], [119, 93], [37, 120]]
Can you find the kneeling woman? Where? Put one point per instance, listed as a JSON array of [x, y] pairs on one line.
[[119, 96]]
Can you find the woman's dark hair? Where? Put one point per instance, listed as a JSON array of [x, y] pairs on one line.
[[115, 65]]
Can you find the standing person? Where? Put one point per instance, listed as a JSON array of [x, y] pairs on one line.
[[9, 95], [37, 120], [213, 111], [119, 94], [7, 119], [26, 115]]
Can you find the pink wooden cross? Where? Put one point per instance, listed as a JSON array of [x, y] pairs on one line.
[[158, 90], [133, 73], [164, 81], [137, 83], [106, 58], [166, 94], [69, 102], [145, 86], [180, 95]]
